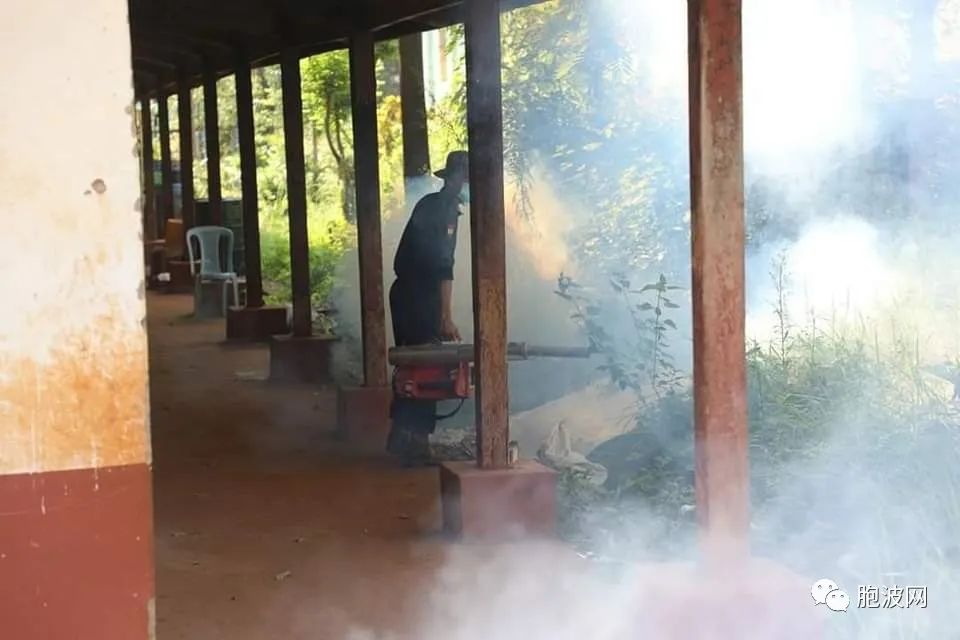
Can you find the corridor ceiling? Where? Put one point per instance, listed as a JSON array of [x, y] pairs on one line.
[[173, 36]]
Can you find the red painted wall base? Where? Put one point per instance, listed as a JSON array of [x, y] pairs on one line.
[[76, 554]]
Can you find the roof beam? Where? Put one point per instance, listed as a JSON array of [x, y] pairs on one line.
[[150, 61], [187, 32], [236, 16], [186, 40], [164, 50]]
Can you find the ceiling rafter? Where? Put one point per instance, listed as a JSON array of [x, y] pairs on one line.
[[191, 35]]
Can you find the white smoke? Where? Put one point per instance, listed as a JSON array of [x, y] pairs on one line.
[[536, 254], [809, 72]]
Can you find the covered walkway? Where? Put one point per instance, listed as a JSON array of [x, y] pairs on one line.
[[250, 483], [267, 526], [263, 525]]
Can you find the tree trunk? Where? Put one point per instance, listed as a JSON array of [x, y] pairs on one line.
[[416, 148], [348, 192], [315, 156]]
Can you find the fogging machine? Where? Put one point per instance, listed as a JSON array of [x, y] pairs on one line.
[[445, 371]]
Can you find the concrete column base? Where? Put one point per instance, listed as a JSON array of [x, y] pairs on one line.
[[498, 505], [757, 601], [363, 415], [301, 359], [256, 323]]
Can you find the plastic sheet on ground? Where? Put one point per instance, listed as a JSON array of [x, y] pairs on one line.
[[556, 452]]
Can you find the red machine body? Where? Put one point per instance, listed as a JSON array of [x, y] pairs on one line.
[[433, 382]]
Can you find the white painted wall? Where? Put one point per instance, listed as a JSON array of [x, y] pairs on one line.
[[73, 357]]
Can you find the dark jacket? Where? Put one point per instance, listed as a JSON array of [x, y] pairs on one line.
[[424, 259], [429, 241]]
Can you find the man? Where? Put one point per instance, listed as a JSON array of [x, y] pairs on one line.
[[420, 298]]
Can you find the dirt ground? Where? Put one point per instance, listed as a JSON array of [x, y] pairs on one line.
[[266, 526]]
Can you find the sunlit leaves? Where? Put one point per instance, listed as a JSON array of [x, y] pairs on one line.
[[641, 361]]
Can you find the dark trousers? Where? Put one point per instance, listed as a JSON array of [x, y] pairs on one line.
[[416, 309]]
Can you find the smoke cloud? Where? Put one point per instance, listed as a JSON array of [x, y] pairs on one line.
[[851, 152], [536, 254]]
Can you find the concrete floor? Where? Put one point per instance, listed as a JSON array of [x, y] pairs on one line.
[[266, 527]]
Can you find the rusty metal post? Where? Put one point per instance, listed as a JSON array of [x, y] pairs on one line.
[[717, 210], [485, 132], [150, 224], [211, 119], [248, 179], [185, 117], [296, 192], [363, 91], [166, 164]]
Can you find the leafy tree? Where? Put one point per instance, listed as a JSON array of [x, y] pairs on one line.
[[326, 98]]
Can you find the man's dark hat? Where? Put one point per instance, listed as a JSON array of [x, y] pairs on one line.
[[456, 161]]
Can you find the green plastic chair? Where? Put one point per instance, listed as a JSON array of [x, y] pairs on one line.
[[208, 266]]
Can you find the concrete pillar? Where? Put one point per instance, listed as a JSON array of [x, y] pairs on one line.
[[76, 552], [185, 117], [248, 179], [364, 412], [211, 119], [363, 90], [301, 357], [254, 321], [151, 229], [487, 225], [166, 162], [296, 193], [491, 499]]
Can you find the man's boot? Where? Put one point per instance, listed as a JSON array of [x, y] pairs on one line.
[[398, 442], [418, 453]]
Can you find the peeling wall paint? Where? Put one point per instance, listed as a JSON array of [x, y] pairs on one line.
[[73, 353]]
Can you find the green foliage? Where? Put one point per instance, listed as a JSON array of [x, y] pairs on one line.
[[329, 233], [544, 87], [573, 115], [390, 129], [578, 497], [327, 103], [328, 146], [566, 111], [641, 360], [447, 119], [854, 453], [327, 246]]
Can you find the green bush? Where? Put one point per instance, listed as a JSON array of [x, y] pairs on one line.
[[328, 243], [854, 453]]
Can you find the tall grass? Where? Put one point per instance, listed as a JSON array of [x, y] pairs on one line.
[[855, 469]]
